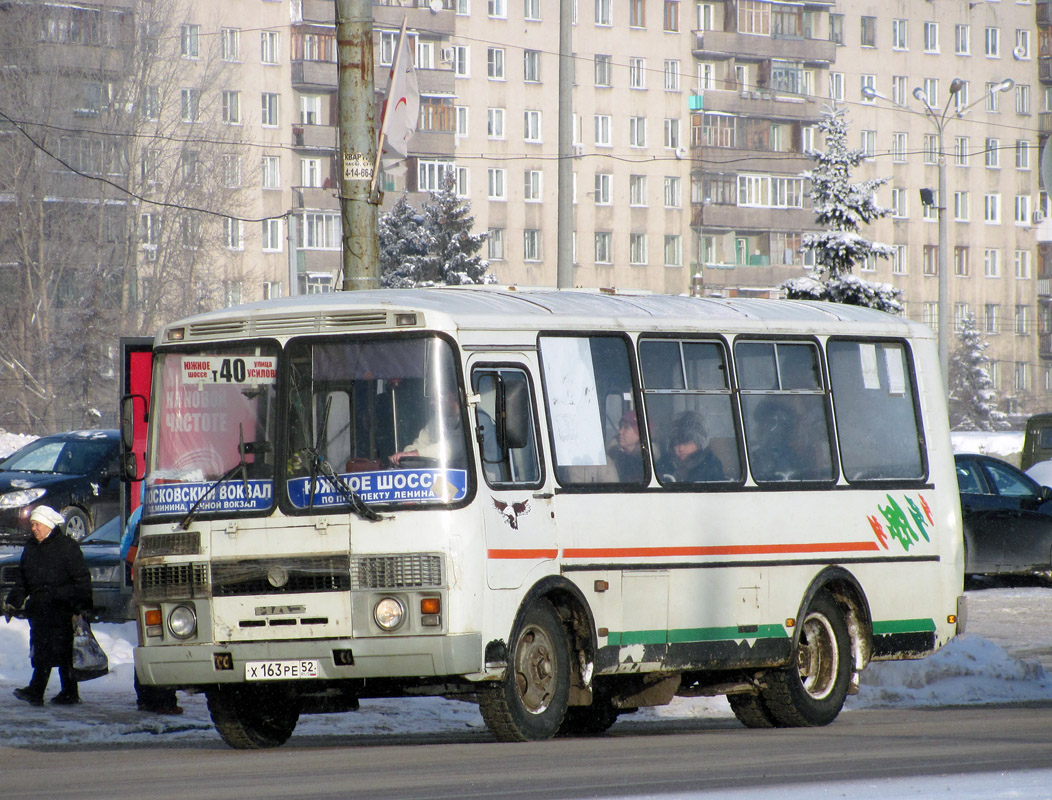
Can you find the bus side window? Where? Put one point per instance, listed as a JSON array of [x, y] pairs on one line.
[[505, 427], [873, 397], [784, 410]]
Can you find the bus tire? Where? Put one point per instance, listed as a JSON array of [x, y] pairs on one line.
[[811, 689], [253, 718], [751, 710], [530, 702]]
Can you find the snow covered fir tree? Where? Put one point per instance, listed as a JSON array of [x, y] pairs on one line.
[[971, 395], [842, 208], [433, 246]]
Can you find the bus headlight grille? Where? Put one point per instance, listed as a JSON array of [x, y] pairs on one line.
[[172, 581], [403, 571]]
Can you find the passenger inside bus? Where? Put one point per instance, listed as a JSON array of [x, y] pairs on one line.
[[442, 435], [625, 451], [790, 440], [688, 458]]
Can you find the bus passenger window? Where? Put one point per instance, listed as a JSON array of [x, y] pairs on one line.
[[873, 396], [690, 411], [591, 407], [785, 411], [505, 412]]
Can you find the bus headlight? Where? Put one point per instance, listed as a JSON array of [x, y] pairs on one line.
[[389, 613], [182, 622]]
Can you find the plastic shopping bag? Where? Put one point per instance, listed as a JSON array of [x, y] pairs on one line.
[[89, 659]]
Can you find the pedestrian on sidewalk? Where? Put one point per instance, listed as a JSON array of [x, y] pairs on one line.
[[52, 588]]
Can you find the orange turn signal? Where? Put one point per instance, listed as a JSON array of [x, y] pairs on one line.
[[430, 605], [152, 616]]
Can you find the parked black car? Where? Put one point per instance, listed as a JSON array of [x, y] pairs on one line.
[[111, 588], [75, 473], [1007, 518]]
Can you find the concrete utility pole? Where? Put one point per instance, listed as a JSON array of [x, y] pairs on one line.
[[357, 120], [564, 261]]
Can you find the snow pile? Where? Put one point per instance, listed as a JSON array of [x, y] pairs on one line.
[[1002, 444]]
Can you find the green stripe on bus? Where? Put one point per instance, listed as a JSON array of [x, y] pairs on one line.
[[884, 627], [684, 635]]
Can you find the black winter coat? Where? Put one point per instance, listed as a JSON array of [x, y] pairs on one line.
[[52, 580]]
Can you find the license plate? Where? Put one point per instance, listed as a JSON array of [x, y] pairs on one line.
[[281, 670]]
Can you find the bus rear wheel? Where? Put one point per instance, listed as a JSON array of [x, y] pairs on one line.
[[253, 718], [751, 710], [811, 690], [530, 702]]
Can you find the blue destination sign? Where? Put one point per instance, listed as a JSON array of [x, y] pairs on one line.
[[386, 486], [179, 498]]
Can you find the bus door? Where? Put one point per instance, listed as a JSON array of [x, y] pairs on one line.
[[517, 516]]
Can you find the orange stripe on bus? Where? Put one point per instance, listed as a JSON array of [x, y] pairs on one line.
[[717, 550], [514, 554]]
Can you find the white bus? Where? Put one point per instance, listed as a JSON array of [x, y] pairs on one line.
[[566, 505]]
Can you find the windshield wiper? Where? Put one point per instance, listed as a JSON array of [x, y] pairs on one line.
[[318, 464], [241, 466]]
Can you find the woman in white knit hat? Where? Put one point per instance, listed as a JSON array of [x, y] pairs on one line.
[[53, 585]]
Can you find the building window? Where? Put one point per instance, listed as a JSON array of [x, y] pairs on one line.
[[637, 131], [1022, 209], [231, 107], [1022, 154], [461, 61], [495, 63], [495, 180], [993, 153], [531, 121], [1022, 320], [993, 42], [233, 231], [431, 174], [531, 10], [836, 28], [603, 188], [495, 244], [836, 86], [963, 40], [637, 73], [269, 116], [190, 41], [672, 140], [273, 290], [495, 123], [310, 173], [960, 261], [670, 16], [899, 259], [899, 203], [603, 247], [321, 231], [1022, 99], [602, 130], [900, 90], [269, 47], [673, 250], [531, 66], [673, 192], [637, 14], [531, 245], [497, 8], [991, 318], [961, 312], [671, 75], [868, 82], [637, 249], [899, 34], [961, 145], [992, 209], [992, 263], [1022, 44], [230, 170], [931, 148], [868, 36], [993, 98], [1022, 264], [230, 44], [930, 259], [1022, 376], [869, 143], [271, 172], [603, 14], [960, 206], [637, 190], [272, 235], [931, 37], [899, 146], [460, 120], [931, 92], [532, 186], [603, 70]]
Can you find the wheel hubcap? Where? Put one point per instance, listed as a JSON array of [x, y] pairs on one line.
[[535, 670], [75, 527], [818, 659]]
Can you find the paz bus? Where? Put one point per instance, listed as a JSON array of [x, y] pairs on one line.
[[562, 505]]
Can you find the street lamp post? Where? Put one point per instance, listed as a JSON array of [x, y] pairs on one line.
[[939, 120]]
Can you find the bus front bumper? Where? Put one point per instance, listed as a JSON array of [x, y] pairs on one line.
[[189, 665]]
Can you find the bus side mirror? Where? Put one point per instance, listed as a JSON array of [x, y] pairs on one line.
[[516, 415], [129, 466]]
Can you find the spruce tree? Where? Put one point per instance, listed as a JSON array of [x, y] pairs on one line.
[[972, 398], [452, 256], [403, 241], [842, 208]]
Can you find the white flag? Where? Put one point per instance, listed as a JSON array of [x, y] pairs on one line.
[[402, 107]]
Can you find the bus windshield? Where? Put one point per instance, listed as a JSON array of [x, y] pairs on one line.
[[215, 413], [383, 414]]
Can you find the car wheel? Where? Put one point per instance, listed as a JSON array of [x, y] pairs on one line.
[[77, 523]]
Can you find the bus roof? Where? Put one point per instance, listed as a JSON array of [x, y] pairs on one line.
[[516, 308]]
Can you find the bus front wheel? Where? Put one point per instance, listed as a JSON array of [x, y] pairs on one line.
[[529, 703], [811, 689], [251, 717]]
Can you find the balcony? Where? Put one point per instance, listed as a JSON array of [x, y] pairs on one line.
[[738, 218], [706, 158], [1044, 69], [314, 75], [717, 45], [1044, 345], [440, 23], [314, 137], [314, 197], [1044, 16], [764, 103]]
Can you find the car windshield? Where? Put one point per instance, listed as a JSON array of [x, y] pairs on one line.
[[214, 432], [81, 456], [108, 532]]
